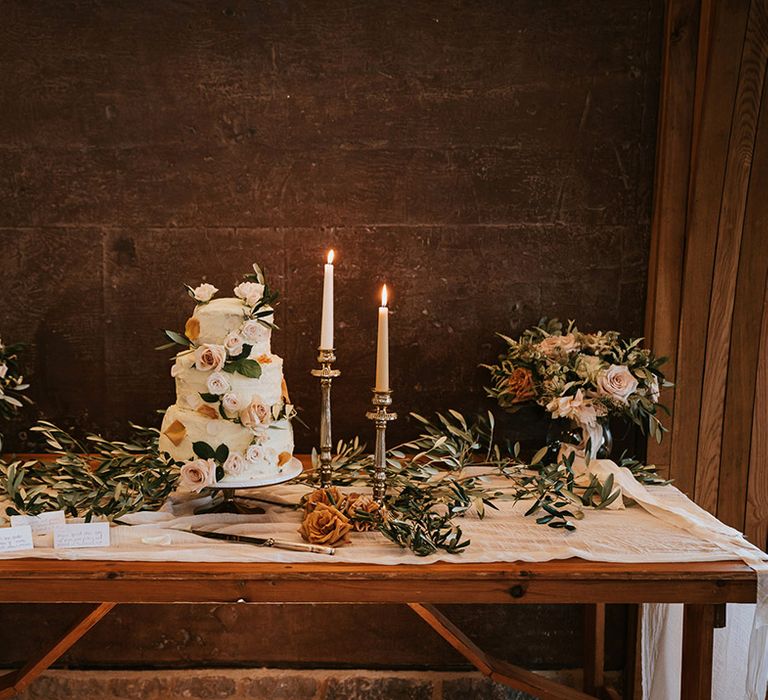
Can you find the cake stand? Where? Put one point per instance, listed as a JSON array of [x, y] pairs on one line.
[[225, 500]]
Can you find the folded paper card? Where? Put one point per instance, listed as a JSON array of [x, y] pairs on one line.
[[78, 535], [14, 539], [40, 524]]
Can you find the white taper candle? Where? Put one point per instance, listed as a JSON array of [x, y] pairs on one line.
[[326, 323], [382, 346]]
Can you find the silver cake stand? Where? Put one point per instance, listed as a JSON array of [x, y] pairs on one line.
[[226, 501]]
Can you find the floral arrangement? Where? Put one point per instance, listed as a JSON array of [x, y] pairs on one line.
[[583, 377], [12, 383]]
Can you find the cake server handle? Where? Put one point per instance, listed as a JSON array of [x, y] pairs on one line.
[[300, 547]]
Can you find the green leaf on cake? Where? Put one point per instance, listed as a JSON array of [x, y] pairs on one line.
[[178, 338], [219, 473], [203, 450], [209, 398], [221, 454], [243, 354], [248, 368]]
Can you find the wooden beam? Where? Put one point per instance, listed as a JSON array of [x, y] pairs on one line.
[[729, 236], [14, 682], [594, 648], [698, 636], [756, 523], [496, 669], [723, 29], [670, 189], [752, 271]]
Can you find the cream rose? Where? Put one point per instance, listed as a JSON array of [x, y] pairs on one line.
[[254, 331], [235, 464], [555, 344], [577, 407], [249, 292], [230, 403], [204, 292], [617, 382], [254, 454], [210, 357], [255, 415], [233, 343], [217, 383], [197, 475]]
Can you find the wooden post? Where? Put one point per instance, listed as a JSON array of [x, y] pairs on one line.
[[594, 648], [698, 637]]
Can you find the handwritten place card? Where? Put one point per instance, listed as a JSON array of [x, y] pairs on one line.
[[41, 524], [80, 535], [14, 539]]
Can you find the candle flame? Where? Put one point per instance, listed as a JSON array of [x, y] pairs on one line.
[[384, 295], [330, 256]]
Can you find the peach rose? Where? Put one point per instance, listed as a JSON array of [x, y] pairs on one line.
[[255, 415], [617, 382], [204, 292], [325, 525], [254, 331], [249, 292], [210, 357], [197, 475]]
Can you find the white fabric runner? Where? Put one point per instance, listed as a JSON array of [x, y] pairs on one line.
[[668, 527]]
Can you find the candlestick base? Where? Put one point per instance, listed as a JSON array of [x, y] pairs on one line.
[[381, 416], [326, 357]]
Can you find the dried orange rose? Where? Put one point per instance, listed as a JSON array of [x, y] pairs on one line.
[[192, 329], [330, 497], [520, 386], [359, 505], [325, 525]]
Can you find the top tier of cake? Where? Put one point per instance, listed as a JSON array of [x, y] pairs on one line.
[[222, 319]]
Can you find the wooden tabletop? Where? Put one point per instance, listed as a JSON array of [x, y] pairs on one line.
[[564, 581]]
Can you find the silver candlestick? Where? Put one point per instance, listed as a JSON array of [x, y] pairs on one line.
[[381, 416], [326, 358]]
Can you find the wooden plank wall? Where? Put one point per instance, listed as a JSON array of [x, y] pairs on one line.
[[707, 300]]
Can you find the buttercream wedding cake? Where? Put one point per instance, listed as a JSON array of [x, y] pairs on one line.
[[231, 420]]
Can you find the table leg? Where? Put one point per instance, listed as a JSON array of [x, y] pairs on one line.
[[594, 648], [12, 683], [698, 637]]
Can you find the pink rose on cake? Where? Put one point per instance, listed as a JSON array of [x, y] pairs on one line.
[[235, 464], [249, 292], [217, 383], [255, 415], [197, 475], [210, 357], [230, 402], [254, 331], [233, 343]]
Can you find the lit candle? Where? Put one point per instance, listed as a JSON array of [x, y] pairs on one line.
[[382, 348], [326, 324]]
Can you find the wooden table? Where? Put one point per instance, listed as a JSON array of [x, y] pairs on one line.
[[704, 588]]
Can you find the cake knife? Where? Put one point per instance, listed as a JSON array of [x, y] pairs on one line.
[[264, 542]]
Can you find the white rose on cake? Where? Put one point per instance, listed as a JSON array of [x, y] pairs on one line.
[[254, 331], [254, 454], [249, 292], [231, 404], [233, 343], [235, 464], [217, 383], [210, 357], [255, 415], [204, 292], [197, 475], [617, 383]]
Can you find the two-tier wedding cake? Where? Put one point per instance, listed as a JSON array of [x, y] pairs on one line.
[[231, 420]]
